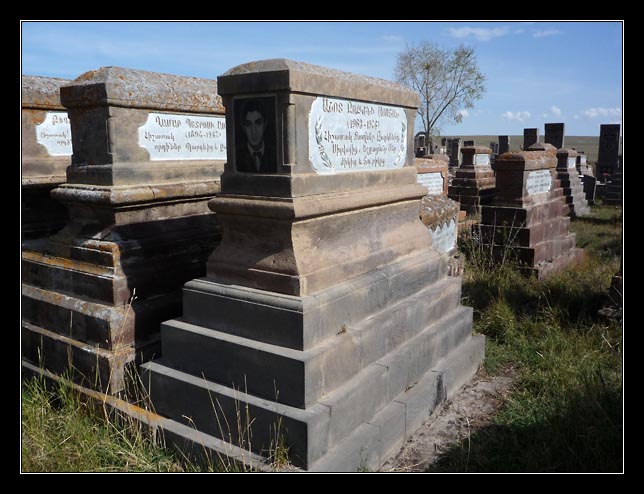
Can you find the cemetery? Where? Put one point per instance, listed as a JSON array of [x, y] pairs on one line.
[[272, 271]]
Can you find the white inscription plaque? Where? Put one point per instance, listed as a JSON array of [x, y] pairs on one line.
[[444, 236], [538, 181], [169, 136], [572, 162], [433, 181], [55, 134], [351, 136], [481, 159]]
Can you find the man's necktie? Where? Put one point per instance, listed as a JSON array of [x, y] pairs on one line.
[[257, 160]]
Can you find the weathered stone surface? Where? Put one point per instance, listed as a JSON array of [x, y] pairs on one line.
[[137, 230], [474, 183], [526, 219], [571, 184], [45, 153], [325, 301]]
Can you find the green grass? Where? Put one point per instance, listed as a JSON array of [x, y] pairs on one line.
[[62, 432], [565, 413]]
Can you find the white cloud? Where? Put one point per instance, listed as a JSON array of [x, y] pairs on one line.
[[519, 116], [542, 33], [614, 113], [576, 117], [464, 113], [554, 111], [544, 115], [392, 38], [519, 31], [480, 33]]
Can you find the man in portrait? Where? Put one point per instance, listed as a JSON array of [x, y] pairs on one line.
[[255, 147]]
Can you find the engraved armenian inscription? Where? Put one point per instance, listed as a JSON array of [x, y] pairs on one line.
[[183, 137], [350, 136], [433, 181], [55, 134], [538, 181]]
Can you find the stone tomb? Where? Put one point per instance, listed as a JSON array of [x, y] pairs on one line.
[[569, 179], [607, 155], [437, 212], [583, 168], [46, 153], [474, 182], [325, 311], [527, 217], [148, 153], [530, 137], [554, 135]]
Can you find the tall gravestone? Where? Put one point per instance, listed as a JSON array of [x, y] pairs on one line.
[[46, 153], [607, 161], [569, 180], [554, 134], [528, 215], [530, 137], [148, 150], [437, 212], [474, 182], [325, 309], [454, 146], [504, 144]]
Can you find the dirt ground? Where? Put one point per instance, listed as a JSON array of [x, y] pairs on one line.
[[470, 409]]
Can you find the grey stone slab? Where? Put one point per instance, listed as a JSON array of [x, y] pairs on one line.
[[462, 364], [392, 423], [356, 402], [410, 361], [530, 137], [302, 322], [244, 420], [361, 450], [421, 399]]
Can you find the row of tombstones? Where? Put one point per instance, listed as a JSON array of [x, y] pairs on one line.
[[264, 241]]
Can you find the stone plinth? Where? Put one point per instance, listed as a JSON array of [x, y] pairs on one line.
[[437, 212], [528, 216], [570, 183], [143, 169], [325, 311], [46, 154], [474, 182]]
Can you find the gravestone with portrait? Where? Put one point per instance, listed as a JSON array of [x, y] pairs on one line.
[[148, 150], [437, 212], [46, 154], [527, 218], [504, 144], [325, 310], [474, 182], [570, 182], [607, 155], [530, 137], [554, 135]]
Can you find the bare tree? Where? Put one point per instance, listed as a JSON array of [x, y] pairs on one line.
[[447, 80]]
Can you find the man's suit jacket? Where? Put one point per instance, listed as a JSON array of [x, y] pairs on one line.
[[268, 162]]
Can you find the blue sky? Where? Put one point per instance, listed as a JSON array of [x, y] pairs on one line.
[[537, 72]]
